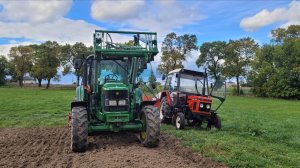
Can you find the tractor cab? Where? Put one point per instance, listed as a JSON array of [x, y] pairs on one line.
[[182, 83], [187, 97]]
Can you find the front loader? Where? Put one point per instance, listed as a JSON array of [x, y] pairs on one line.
[[109, 98]]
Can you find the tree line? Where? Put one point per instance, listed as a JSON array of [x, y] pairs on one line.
[[271, 70], [40, 61]]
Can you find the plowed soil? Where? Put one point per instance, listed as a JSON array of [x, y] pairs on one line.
[[50, 147]]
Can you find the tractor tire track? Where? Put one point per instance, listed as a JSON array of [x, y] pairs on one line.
[[50, 147]]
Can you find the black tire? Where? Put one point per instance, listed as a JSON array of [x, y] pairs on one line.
[[79, 129], [180, 121], [217, 122], [150, 116], [164, 110]]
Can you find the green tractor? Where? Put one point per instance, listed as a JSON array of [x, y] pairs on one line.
[[109, 98]]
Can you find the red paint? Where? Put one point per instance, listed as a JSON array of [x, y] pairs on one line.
[[198, 99]]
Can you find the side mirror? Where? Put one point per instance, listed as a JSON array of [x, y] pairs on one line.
[[136, 39], [78, 63], [163, 77], [153, 86]]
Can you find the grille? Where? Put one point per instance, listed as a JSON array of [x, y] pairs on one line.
[[116, 95]]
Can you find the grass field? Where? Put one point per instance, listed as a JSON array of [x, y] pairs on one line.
[[34, 107], [256, 132]]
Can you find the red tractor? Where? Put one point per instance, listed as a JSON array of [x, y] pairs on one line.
[[187, 98]]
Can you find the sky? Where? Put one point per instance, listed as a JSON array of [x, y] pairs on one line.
[[66, 21]]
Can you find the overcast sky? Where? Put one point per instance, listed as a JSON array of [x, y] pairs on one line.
[[26, 22]]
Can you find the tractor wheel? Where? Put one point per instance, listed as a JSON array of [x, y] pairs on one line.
[[180, 121], [217, 122], [79, 129], [150, 116], [164, 110]]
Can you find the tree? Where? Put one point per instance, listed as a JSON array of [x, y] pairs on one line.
[[37, 70], [21, 61], [69, 53], [50, 60], [174, 51], [281, 34], [3, 69], [238, 54], [152, 79], [212, 55], [275, 69]]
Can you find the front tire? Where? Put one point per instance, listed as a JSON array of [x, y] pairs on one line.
[[150, 136], [217, 122], [79, 129], [180, 121]]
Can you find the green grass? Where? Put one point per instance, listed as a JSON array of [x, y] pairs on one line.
[[34, 107], [256, 132]]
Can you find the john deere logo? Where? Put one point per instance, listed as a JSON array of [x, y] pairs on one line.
[[117, 93]]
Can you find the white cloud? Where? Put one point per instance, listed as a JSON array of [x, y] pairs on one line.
[[115, 10], [62, 30], [34, 11], [159, 16], [190, 62], [4, 48], [291, 15]]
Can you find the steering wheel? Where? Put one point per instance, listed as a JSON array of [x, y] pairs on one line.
[[111, 78]]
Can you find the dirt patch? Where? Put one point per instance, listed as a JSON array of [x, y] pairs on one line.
[[50, 147]]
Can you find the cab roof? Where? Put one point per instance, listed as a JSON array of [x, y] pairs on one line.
[[186, 71]]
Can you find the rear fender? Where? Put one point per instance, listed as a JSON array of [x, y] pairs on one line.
[[145, 103], [78, 103], [166, 93]]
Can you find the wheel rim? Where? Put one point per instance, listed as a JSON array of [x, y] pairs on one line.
[[178, 122], [161, 116], [143, 134]]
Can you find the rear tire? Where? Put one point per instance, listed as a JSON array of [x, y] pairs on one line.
[[150, 116], [180, 121], [79, 129], [164, 110]]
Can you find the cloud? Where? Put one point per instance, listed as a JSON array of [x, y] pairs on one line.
[[62, 30], [4, 48], [116, 10], [190, 62], [291, 15], [33, 11], [159, 16]]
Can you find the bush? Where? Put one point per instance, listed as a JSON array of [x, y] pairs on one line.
[[234, 91]]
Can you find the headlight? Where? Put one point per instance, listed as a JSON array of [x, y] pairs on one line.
[[201, 105], [112, 102], [122, 102], [208, 106]]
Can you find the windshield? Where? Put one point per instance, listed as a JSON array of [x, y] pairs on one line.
[[112, 71], [191, 84]]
